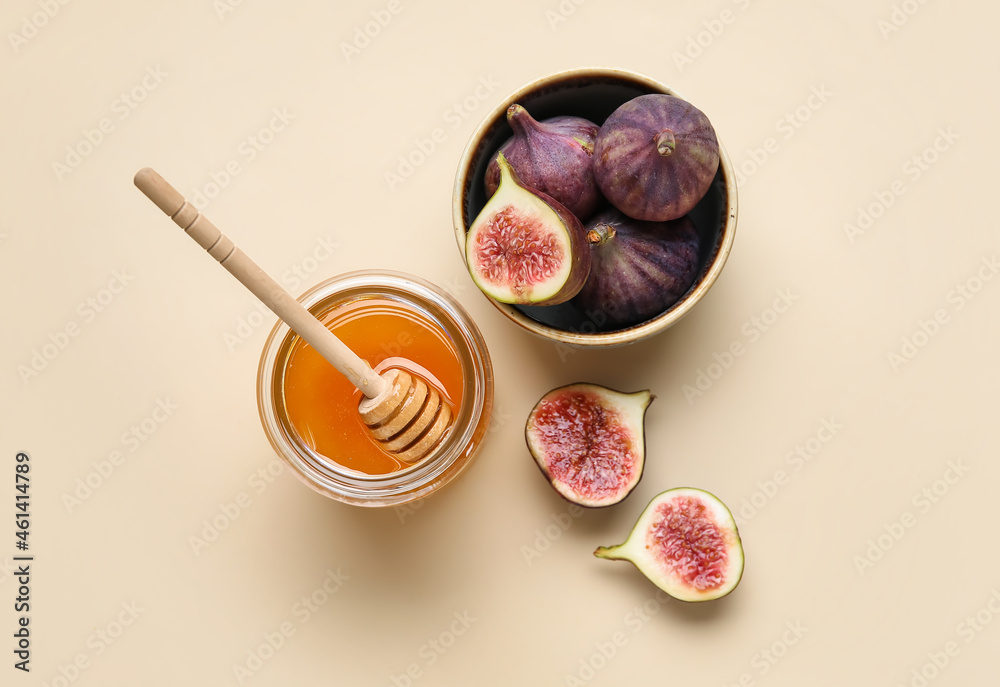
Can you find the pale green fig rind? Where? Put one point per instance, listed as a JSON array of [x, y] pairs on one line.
[[635, 405], [573, 273], [633, 549]]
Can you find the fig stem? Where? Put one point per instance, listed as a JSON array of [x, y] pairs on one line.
[[609, 553], [600, 234], [665, 142], [519, 119]]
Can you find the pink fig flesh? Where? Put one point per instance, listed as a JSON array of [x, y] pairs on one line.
[[517, 250], [689, 543], [589, 442]]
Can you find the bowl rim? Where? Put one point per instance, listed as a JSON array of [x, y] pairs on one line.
[[618, 337]]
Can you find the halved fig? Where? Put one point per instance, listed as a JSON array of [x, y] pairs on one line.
[[686, 543], [526, 248], [589, 442]]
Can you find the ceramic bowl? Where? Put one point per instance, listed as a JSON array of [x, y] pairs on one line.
[[593, 93]]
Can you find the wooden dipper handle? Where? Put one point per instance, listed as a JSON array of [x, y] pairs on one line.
[[281, 303]]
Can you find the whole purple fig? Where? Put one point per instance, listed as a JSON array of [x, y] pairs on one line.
[[638, 269], [552, 156], [655, 157]]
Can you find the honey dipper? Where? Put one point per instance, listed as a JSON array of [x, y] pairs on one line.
[[405, 415]]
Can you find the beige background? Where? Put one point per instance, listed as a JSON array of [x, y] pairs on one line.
[[853, 574]]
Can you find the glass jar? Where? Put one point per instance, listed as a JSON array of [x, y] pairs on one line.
[[471, 420]]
